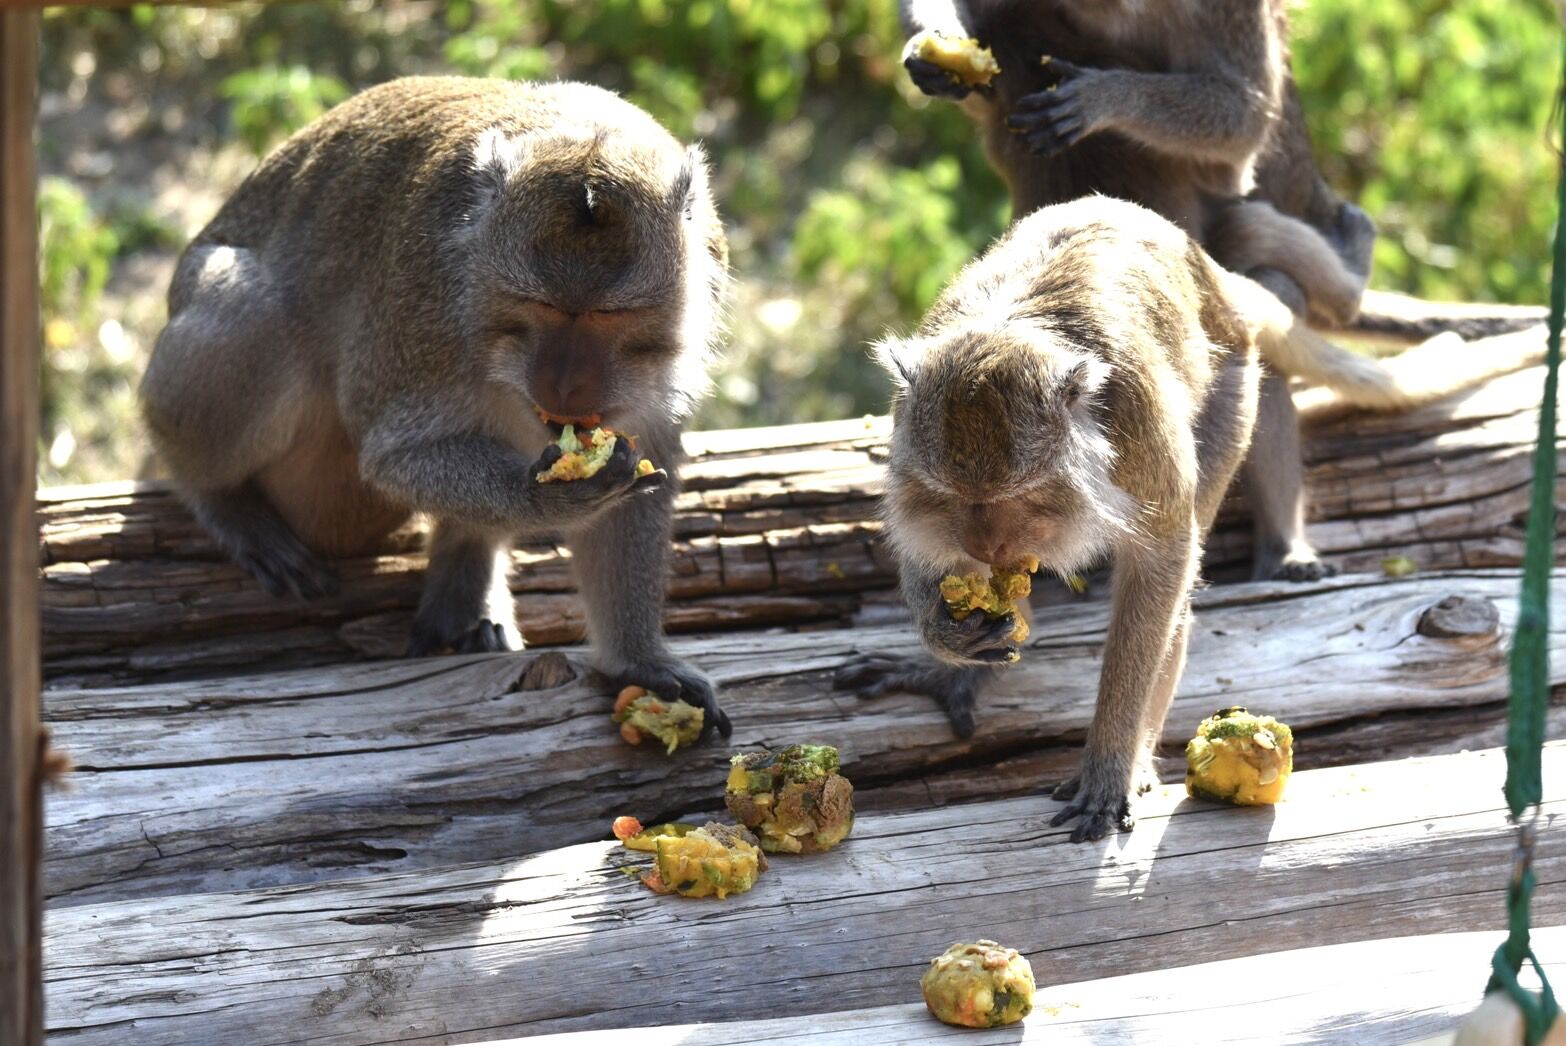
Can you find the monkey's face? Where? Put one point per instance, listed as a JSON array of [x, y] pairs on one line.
[[591, 290], [998, 452]]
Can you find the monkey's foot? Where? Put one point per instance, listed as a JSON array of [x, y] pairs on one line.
[[955, 689], [1297, 566], [1054, 119], [1103, 805], [677, 681], [283, 565], [486, 637]]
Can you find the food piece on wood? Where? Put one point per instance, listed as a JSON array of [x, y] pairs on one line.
[[714, 860], [642, 714], [996, 596], [646, 839], [794, 798], [582, 455], [1398, 566], [626, 828], [979, 985], [1239, 758], [962, 57]]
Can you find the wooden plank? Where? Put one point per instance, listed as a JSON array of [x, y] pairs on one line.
[[20, 803], [777, 526], [293, 777], [1369, 993], [563, 941]]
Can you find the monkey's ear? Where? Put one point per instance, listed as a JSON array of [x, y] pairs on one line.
[[896, 357], [496, 156], [691, 182], [1083, 380]]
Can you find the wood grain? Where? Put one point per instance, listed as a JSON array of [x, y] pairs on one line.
[[20, 802], [292, 777], [1370, 993], [563, 941], [776, 527]]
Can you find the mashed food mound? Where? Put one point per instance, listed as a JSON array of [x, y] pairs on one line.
[[996, 596], [1239, 758], [963, 58], [714, 860], [642, 714], [979, 985], [794, 798], [583, 455]]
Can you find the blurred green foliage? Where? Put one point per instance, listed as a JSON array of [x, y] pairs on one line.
[[850, 198]]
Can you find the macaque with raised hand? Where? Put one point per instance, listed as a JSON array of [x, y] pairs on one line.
[[380, 319]]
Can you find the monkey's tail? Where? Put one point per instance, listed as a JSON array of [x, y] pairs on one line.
[[1386, 316], [1435, 368]]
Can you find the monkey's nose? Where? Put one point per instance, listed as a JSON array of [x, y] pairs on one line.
[[572, 398], [986, 548]]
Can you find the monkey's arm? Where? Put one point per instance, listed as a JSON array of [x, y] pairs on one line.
[[484, 482], [1151, 583], [1220, 113], [621, 561]]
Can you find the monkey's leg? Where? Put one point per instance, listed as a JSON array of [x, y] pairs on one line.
[[621, 561], [222, 401], [1150, 586], [466, 604], [246, 526]]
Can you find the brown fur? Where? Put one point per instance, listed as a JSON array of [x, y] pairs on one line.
[[1094, 358]]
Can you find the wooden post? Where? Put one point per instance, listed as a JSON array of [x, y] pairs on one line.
[[21, 995]]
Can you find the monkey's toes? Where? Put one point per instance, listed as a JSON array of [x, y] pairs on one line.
[[286, 567], [1303, 570], [486, 637], [1098, 816], [865, 674]]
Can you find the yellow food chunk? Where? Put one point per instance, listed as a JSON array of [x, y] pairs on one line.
[[793, 798], [995, 596], [643, 714], [962, 57], [979, 985], [712, 861], [584, 453], [1239, 758]]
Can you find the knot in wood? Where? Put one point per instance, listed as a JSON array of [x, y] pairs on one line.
[[545, 672], [1457, 616]]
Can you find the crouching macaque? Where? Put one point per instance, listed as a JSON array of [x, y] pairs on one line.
[[381, 317], [1085, 388]]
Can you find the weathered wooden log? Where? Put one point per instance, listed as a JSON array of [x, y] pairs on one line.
[[563, 941], [290, 777], [777, 526], [1369, 993]]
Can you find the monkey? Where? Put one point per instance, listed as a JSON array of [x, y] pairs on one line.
[[1086, 385], [380, 318], [1189, 108]]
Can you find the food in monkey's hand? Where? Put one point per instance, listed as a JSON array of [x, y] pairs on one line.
[[979, 985], [794, 798], [714, 860], [961, 57], [995, 596], [642, 714], [1239, 758], [584, 454]]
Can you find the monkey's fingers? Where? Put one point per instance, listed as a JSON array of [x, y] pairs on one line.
[[486, 637], [935, 81], [650, 482], [863, 673], [1100, 811]]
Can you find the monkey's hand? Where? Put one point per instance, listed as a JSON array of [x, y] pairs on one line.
[[955, 689], [674, 680], [1054, 119], [975, 640], [1100, 795], [581, 498]]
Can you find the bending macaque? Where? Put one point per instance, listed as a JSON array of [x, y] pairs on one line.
[[1187, 107], [378, 319], [1086, 387]]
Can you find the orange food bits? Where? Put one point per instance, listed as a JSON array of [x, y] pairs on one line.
[[625, 827]]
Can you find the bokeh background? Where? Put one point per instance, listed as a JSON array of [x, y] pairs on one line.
[[849, 197]]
